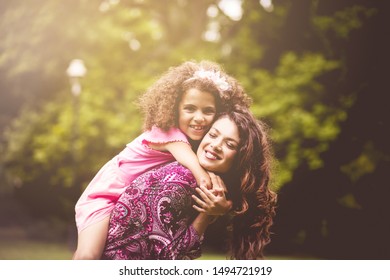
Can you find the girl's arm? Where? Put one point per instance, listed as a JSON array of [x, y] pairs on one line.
[[183, 153]]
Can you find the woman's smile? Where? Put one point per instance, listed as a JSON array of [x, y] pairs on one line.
[[211, 155]]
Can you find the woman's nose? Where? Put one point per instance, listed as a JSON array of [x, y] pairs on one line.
[[216, 145]]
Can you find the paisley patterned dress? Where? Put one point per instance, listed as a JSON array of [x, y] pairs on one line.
[[152, 219]]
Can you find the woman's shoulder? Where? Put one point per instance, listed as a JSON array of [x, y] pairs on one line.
[[172, 172], [176, 168]]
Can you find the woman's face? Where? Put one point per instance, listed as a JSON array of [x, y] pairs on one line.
[[219, 146], [197, 110]]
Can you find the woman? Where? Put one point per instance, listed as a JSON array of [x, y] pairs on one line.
[[154, 219]]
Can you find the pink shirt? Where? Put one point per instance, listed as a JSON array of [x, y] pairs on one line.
[[100, 196]]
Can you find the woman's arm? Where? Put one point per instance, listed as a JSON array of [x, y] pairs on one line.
[[201, 223]]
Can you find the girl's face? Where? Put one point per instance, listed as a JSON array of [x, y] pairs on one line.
[[197, 110], [219, 147]]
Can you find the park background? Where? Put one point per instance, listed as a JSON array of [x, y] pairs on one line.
[[317, 71]]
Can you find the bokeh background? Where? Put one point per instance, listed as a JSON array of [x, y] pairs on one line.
[[317, 71]]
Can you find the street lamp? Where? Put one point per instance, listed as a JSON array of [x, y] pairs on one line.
[[76, 70]]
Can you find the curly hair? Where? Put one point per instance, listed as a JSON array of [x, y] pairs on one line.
[[254, 202], [160, 102]]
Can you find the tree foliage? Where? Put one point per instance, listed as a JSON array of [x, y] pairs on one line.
[[292, 57]]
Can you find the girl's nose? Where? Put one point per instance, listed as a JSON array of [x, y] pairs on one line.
[[199, 117]]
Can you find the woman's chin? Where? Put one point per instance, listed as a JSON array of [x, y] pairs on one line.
[[210, 167]]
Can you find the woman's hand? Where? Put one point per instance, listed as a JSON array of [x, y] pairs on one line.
[[212, 202]]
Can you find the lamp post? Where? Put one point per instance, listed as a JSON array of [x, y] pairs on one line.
[[76, 70]]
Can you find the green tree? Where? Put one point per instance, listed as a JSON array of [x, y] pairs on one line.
[[294, 58], [328, 211]]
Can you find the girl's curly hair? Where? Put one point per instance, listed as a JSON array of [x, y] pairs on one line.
[[254, 202], [160, 102]]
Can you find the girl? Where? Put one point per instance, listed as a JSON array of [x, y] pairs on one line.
[[179, 110]]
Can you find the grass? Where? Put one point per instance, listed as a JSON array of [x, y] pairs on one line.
[[33, 250], [21, 249], [16, 245], [39, 250]]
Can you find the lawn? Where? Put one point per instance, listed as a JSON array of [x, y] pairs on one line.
[[15, 245], [33, 250], [38, 250]]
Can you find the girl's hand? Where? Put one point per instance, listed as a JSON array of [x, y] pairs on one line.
[[212, 202], [218, 186]]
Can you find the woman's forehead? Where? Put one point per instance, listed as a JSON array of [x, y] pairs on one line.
[[224, 125]]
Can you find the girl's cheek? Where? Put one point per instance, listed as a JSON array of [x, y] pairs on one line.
[[211, 119]]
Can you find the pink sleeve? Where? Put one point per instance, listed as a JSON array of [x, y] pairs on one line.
[[158, 136]]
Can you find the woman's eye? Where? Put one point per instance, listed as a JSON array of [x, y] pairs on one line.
[[231, 146], [212, 135]]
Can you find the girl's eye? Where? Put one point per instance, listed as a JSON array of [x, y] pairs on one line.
[[212, 135], [189, 108], [209, 111]]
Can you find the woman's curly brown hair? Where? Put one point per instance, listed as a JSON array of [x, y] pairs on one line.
[[248, 183], [160, 102]]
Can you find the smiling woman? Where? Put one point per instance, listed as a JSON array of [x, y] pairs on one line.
[[155, 217], [219, 146]]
